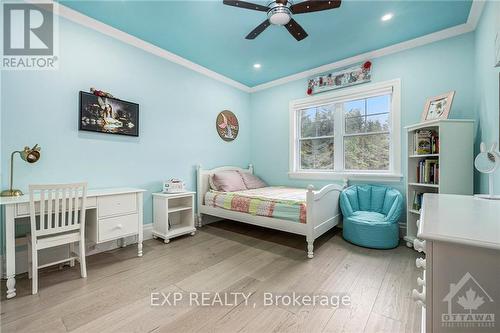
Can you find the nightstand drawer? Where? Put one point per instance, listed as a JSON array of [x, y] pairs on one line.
[[117, 205], [116, 227]]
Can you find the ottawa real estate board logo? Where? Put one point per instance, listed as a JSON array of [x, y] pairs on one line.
[[29, 38], [468, 305]]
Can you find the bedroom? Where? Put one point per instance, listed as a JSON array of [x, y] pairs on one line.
[[335, 115]]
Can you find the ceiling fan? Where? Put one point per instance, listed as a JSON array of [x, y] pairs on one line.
[[279, 12]]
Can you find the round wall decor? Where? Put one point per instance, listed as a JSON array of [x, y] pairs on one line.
[[227, 125]]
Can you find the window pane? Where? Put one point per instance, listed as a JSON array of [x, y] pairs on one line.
[[367, 152], [317, 121], [308, 127], [378, 104], [369, 124], [355, 108], [355, 125], [377, 123], [316, 154]]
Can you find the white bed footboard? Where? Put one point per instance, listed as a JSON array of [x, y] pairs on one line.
[[323, 209]]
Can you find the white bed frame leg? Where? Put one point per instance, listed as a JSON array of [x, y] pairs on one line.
[[199, 221], [310, 248], [310, 220]]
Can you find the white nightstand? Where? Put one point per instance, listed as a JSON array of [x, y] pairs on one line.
[[173, 215]]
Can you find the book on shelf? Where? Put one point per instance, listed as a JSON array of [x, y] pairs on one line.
[[426, 142], [428, 171], [417, 200]]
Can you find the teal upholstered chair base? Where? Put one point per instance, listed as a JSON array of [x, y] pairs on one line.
[[371, 216], [375, 236]]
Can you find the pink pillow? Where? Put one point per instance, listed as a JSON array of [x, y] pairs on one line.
[[251, 181], [228, 181]]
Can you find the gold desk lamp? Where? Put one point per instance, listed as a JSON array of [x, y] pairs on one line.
[[30, 155]]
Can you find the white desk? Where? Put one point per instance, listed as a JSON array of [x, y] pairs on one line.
[[112, 213], [460, 236]]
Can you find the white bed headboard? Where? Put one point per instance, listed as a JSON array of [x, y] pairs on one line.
[[202, 185]]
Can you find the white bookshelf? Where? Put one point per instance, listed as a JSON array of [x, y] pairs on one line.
[[455, 158]]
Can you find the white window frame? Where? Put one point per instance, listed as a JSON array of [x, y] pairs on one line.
[[338, 96]]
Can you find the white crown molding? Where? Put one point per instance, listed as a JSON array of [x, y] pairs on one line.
[[84, 20], [475, 13], [470, 25]]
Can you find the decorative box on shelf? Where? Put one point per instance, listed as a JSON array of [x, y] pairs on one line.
[[173, 215]]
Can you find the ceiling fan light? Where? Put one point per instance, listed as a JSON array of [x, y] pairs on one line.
[[279, 18], [279, 15]]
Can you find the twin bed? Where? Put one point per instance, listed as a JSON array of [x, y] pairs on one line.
[[304, 212]]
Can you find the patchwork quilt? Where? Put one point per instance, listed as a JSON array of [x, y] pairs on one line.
[[275, 201]]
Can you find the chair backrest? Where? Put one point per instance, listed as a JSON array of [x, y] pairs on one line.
[[61, 208], [373, 198]]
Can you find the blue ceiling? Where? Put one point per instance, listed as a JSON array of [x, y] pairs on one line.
[[212, 34]]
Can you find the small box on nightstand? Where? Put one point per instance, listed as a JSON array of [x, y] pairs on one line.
[[173, 215]]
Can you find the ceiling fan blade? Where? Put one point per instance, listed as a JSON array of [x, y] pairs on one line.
[[283, 2], [296, 30], [246, 5], [257, 31], [314, 6]]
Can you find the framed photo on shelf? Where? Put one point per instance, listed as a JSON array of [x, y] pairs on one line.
[[438, 107]]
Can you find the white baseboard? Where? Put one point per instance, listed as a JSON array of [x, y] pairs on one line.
[[50, 255]]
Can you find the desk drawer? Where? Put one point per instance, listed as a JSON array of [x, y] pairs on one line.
[[23, 209], [113, 205], [116, 227]]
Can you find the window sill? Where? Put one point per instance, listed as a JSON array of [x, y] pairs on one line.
[[388, 177]]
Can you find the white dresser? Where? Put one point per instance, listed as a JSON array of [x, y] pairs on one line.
[[460, 281], [113, 213]]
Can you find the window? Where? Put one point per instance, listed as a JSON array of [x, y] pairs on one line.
[[353, 132], [316, 138]]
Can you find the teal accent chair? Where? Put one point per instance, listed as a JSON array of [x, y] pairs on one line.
[[371, 215]]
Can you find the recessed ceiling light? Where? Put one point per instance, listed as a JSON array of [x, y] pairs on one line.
[[387, 17], [257, 66]]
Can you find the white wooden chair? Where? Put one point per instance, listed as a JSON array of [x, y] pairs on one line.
[[61, 221]]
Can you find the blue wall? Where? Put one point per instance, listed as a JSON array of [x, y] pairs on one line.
[[487, 81], [178, 108], [425, 71]]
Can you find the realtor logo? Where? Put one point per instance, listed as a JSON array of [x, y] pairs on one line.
[[29, 37], [468, 305]]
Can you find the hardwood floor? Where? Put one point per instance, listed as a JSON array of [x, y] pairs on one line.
[[223, 257]]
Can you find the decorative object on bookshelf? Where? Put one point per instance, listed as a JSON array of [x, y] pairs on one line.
[[438, 107], [426, 141], [488, 162]]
